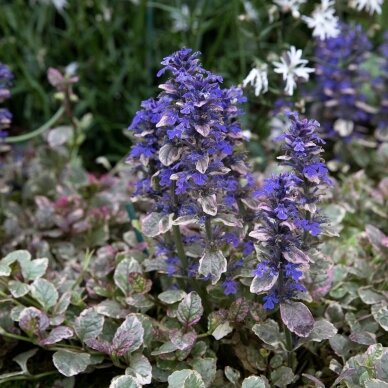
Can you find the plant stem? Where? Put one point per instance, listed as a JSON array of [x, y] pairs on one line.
[[40, 130], [179, 245], [288, 345]]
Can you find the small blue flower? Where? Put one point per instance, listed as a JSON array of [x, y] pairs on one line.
[[230, 287]]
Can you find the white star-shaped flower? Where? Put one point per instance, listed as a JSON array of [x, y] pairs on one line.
[[370, 6], [290, 6], [258, 78], [323, 20], [292, 67]]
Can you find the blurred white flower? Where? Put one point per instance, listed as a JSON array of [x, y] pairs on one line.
[[290, 6], [250, 11], [258, 78], [181, 18], [58, 4], [292, 67], [370, 6], [323, 20]]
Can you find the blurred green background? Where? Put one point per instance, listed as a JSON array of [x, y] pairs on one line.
[[118, 45]]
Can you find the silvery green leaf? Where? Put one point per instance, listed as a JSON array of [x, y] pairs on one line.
[[382, 366], [363, 337], [263, 283], [254, 382], [71, 363], [44, 292], [206, 367], [374, 235], [297, 317], [375, 383], [282, 376], [140, 368], [202, 164], [34, 269], [222, 330], [122, 271], [233, 375], [124, 381], [5, 269], [185, 378], [370, 296], [334, 213], [33, 321], [322, 330], [172, 296], [166, 348], [88, 325], [59, 135], [380, 314], [15, 313], [212, 263], [18, 289], [128, 337], [22, 359], [183, 340], [228, 220], [268, 332], [155, 224], [296, 256], [63, 303], [56, 335], [111, 308], [168, 154], [190, 309], [185, 220], [209, 204]]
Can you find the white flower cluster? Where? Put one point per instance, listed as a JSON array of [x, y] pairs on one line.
[[291, 66], [323, 20]]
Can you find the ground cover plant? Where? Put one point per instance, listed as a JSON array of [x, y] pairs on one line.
[[242, 238]]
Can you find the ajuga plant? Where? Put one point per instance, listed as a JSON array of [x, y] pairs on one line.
[[5, 82], [289, 223], [343, 108], [192, 170]]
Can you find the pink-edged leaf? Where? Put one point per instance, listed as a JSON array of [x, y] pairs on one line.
[[212, 263], [202, 164], [169, 154], [55, 77], [204, 129], [209, 204], [33, 321], [260, 235], [99, 345], [128, 337], [296, 256], [56, 335], [182, 340], [297, 317]]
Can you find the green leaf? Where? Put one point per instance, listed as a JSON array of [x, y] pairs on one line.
[[140, 368], [172, 296], [18, 289], [123, 382], [233, 375], [268, 332], [222, 330], [207, 368], [380, 314], [22, 359], [121, 275], [375, 383], [185, 378], [190, 310], [88, 325], [34, 269], [254, 382], [21, 255], [212, 263], [322, 330], [71, 363], [282, 376], [45, 293]]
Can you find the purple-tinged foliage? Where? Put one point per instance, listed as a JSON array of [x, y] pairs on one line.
[[188, 154], [6, 78], [339, 83], [289, 219]]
